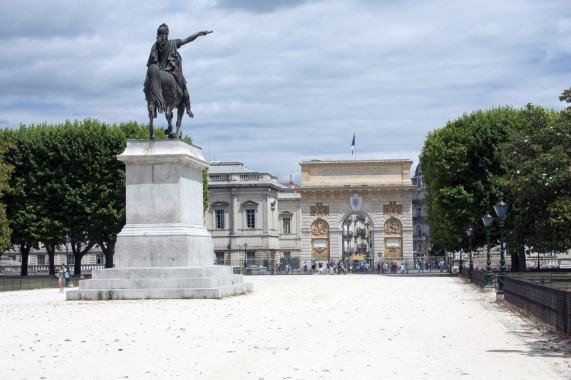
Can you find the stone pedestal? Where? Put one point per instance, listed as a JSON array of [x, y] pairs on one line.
[[164, 249]]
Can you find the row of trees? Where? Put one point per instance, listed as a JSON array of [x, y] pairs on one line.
[[5, 172], [522, 155], [66, 181]]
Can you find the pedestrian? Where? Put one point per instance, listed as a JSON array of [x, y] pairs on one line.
[[401, 268], [61, 278], [313, 267]]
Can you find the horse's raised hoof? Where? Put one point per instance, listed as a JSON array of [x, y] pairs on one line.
[[190, 114]]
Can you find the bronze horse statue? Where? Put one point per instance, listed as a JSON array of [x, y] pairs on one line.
[[165, 86], [163, 95]]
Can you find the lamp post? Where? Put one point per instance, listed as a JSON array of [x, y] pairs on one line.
[[460, 251], [470, 233], [66, 240], [488, 219], [501, 210], [245, 254]]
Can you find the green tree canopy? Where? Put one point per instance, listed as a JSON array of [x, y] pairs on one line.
[[5, 172], [68, 181], [458, 163], [538, 179]]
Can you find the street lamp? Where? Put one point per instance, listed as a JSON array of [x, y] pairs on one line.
[[470, 233], [66, 240], [488, 219], [460, 267], [501, 210]]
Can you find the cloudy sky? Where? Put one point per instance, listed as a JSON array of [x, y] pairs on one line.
[[280, 82]]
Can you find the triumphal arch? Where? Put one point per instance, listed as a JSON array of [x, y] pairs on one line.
[[353, 208]]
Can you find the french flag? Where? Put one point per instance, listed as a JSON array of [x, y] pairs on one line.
[[353, 145]]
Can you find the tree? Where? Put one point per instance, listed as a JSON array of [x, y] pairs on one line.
[[5, 172], [566, 96], [458, 163], [538, 178], [68, 181], [26, 196]]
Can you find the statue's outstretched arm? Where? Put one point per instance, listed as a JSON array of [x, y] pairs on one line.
[[193, 37]]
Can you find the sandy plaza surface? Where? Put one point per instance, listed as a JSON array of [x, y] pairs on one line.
[[290, 327]]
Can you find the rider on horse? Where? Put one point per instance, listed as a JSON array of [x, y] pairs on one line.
[[164, 54]]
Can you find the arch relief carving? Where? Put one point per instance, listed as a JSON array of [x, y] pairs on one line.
[[320, 234], [320, 228], [393, 227]]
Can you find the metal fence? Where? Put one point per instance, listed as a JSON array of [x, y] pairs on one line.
[[27, 283], [547, 303], [295, 266], [42, 270]]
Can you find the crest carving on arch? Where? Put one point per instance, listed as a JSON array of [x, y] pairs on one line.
[[320, 228], [392, 208], [319, 210], [393, 227]]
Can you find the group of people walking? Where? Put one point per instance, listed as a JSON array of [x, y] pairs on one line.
[[393, 267], [332, 267]]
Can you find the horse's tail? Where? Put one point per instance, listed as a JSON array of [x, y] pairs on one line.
[[154, 87]]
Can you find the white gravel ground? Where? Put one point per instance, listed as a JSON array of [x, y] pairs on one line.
[[298, 327]]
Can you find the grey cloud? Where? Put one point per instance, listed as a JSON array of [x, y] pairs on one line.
[[258, 6], [274, 86]]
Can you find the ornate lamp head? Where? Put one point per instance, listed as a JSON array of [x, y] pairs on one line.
[[501, 208], [488, 219], [470, 232]]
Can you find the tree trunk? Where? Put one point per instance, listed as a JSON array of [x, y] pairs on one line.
[[522, 260], [25, 251], [515, 262], [78, 254], [77, 266], [109, 251], [51, 249]]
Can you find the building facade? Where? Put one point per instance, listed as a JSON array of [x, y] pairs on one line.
[[421, 231], [251, 217], [356, 208]]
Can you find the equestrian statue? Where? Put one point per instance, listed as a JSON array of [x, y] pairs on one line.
[[165, 86]]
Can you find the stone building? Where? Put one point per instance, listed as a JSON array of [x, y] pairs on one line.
[[421, 230], [356, 207], [251, 216]]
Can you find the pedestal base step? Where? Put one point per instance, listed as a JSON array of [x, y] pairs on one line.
[[161, 282]]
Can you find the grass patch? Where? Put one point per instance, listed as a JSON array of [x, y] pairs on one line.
[[27, 283]]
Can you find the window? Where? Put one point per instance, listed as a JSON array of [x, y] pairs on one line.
[[99, 259], [286, 225], [70, 260], [219, 219], [220, 258], [251, 257], [41, 259], [250, 218]]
